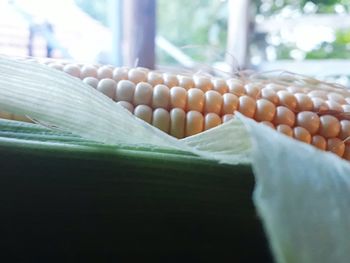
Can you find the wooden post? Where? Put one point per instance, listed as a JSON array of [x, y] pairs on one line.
[[238, 32], [139, 33]]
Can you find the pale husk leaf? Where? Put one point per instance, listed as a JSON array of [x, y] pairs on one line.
[[303, 197]]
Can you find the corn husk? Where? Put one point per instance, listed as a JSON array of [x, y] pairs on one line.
[[302, 194], [303, 197]]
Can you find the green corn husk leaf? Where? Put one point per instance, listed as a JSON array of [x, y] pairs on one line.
[[64, 194], [301, 193]]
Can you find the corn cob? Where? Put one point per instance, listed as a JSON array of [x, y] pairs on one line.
[[183, 105]]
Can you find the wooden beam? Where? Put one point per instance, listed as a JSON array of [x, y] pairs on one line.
[[334, 21], [320, 67]]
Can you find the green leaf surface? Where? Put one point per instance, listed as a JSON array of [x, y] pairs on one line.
[[72, 198]]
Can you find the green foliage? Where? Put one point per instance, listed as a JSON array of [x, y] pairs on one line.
[[272, 7], [343, 37], [322, 2], [96, 9], [338, 49], [329, 51], [201, 24]]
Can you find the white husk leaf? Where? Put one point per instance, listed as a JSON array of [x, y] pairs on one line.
[[301, 193], [303, 197]]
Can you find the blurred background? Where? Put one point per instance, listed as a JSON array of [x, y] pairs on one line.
[[305, 36]]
